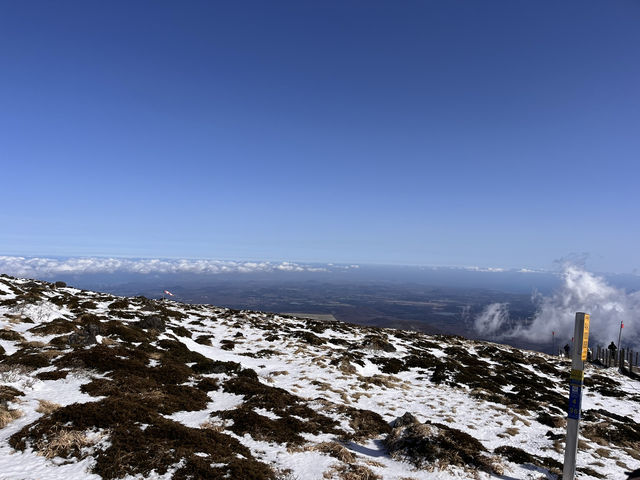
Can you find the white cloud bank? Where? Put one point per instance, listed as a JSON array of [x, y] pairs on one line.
[[581, 291], [43, 266]]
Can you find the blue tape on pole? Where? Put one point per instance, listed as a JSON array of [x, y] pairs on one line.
[[575, 398]]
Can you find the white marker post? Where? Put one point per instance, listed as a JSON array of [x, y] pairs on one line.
[[578, 356]]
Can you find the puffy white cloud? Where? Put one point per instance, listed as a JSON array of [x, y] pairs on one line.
[[581, 291], [42, 266]]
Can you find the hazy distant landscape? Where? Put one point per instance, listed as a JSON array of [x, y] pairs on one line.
[[410, 306], [431, 300], [523, 308]]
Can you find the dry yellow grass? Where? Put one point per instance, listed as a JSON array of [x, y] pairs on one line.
[[351, 472], [497, 466], [50, 353], [632, 453], [217, 425], [515, 419], [46, 407], [32, 344], [558, 446], [15, 318], [8, 415], [61, 442], [335, 450]]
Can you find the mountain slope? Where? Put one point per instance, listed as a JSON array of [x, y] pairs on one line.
[[98, 386]]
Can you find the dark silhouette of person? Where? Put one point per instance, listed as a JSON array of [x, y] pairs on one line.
[[635, 475], [566, 350], [612, 349]]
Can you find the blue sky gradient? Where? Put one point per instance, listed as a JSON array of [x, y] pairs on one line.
[[500, 133]]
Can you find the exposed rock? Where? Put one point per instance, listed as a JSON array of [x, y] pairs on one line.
[[153, 322]]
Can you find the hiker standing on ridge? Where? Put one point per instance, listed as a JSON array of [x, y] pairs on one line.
[[566, 350], [612, 349]]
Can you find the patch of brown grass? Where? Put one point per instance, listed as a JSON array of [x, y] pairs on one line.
[[519, 456], [53, 375], [295, 417], [8, 415], [351, 472], [32, 344], [387, 381], [8, 394], [632, 453], [133, 450], [31, 359], [60, 443], [15, 318], [432, 444], [54, 327], [8, 334], [51, 353], [217, 425], [46, 407], [335, 450]]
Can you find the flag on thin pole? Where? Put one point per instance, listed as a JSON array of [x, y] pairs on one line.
[[620, 334]]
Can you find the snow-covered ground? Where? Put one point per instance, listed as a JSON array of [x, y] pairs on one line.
[[321, 404]]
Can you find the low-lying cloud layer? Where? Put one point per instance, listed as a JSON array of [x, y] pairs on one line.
[[43, 266], [581, 291]]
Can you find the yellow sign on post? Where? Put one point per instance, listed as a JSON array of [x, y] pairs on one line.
[[581, 329], [585, 337]]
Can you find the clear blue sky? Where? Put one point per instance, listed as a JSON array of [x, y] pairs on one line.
[[497, 133]]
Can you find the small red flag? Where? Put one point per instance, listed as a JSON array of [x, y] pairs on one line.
[[621, 325]]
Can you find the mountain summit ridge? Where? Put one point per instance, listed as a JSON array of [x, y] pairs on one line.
[[99, 386]]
